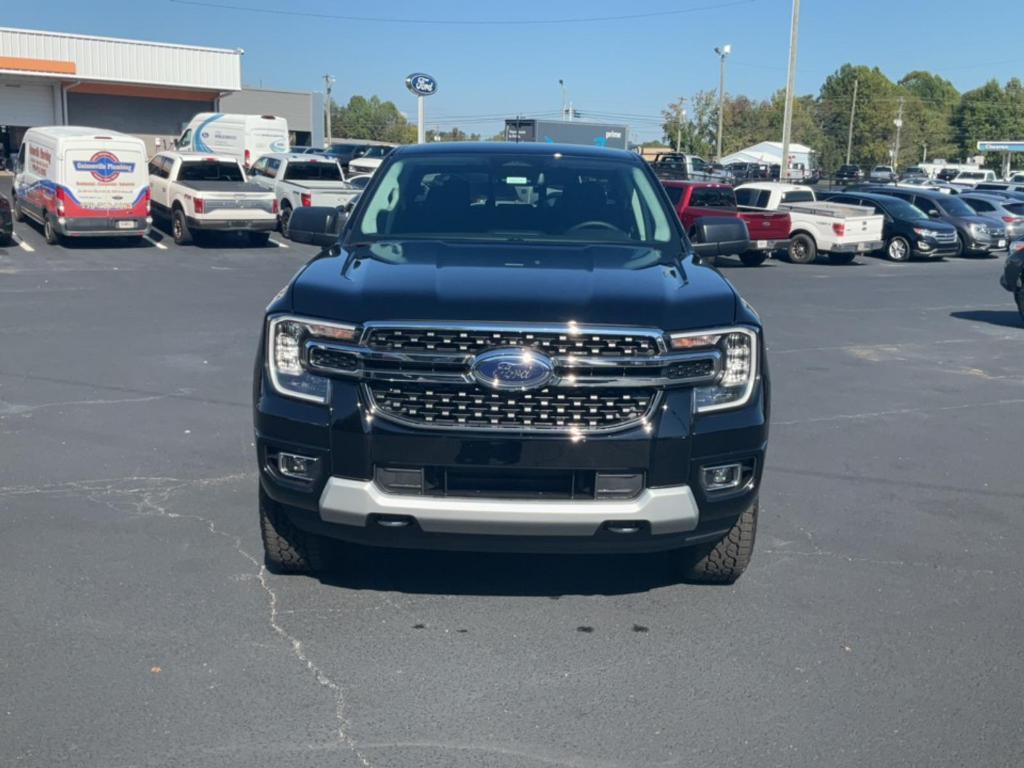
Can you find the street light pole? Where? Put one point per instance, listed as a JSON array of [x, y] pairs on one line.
[[722, 52], [787, 116], [565, 102]]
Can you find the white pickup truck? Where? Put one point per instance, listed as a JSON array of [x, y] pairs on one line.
[[301, 181], [842, 231], [198, 193]]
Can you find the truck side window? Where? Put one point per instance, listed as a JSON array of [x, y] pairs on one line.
[[675, 194], [186, 139], [272, 167], [21, 158]]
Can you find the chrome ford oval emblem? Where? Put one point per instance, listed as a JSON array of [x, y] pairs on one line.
[[513, 369]]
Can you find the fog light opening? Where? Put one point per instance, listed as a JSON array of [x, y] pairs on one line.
[[722, 477], [297, 466]]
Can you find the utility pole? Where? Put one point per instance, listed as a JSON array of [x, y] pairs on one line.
[[853, 111], [680, 119], [565, 101], [722, 52], [787, 116], [899, 126], [328, 82]]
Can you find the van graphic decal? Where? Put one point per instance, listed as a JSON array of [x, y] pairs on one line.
[[203, 133], [104, 166]]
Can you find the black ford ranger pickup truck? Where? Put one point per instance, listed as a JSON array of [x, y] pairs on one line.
[[510, 347]]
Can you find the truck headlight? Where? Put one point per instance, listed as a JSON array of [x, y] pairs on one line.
[[286, 337], [740, 370]]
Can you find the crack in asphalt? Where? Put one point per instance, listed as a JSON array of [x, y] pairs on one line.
[[150, 497]]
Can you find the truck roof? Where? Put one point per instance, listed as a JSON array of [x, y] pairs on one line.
[[307, 157], [81, 132], [684, 183], [773, 186], [200, 156], [511, 147]]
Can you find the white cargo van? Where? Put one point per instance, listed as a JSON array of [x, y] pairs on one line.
[[243, 137], [82, 182]]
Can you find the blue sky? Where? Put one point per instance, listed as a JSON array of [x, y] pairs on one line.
[[626, 67]]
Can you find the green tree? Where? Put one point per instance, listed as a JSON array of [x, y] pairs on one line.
[[371, 118], [929, 116], [455, 134], [873, 128], [695, 126]]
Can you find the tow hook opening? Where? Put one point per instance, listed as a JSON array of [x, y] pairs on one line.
[[625, 527], [393, 521]]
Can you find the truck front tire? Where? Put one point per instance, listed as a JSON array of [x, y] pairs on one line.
[[726, 560], [179, 228], [802, 249], [287, 549]]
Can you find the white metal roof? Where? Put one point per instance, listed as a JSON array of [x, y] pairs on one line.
[[114, 60]]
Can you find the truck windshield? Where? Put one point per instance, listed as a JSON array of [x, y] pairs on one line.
[[209, 170], [313, 171], [515, 197]]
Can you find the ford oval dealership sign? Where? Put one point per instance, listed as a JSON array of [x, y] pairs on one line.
[[421, 84]]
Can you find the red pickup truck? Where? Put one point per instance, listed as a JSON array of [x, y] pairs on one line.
[[769, 231]]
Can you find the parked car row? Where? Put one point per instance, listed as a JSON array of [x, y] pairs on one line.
[[86, 182], [899, 222]]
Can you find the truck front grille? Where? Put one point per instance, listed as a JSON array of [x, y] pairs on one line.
[[470, 406], [472, 341]]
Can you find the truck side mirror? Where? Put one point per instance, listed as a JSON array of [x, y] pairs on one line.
[[713, 236], [316, 225]]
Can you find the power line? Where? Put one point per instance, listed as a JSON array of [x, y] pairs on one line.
[[465, 22]]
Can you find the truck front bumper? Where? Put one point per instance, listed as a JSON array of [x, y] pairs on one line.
[[869, 246], [344, 499], [102, 226]]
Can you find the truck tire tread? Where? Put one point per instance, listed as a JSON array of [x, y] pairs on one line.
[[287, 549], [810, 253], [179, 228], [726, 560]]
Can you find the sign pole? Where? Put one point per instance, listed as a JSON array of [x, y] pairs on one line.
[[421, 129], [421, 86]]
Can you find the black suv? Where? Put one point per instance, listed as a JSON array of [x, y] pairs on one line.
[[908, 231], [510, 346]]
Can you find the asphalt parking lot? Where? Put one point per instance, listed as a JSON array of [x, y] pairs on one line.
[[879, 624]]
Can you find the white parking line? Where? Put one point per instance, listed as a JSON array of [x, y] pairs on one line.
[[149, 239], [278, 243], [23, 245]]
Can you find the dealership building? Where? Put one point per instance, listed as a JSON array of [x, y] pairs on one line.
[[143, 88]]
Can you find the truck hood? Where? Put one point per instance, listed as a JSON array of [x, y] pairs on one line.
[[432, 280]]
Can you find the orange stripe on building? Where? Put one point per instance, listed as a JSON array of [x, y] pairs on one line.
[[143, 91], [38, 65]]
